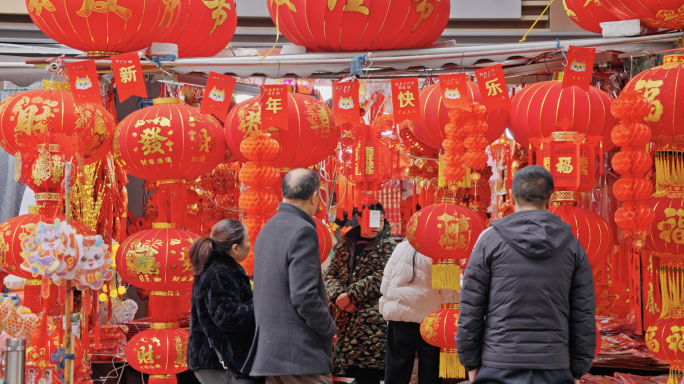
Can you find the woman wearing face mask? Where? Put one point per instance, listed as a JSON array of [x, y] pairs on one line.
[[222, 316]]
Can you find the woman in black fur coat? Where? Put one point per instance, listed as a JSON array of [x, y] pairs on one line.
[[222, 317]]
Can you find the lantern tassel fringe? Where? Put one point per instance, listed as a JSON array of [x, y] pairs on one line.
[[446, 276], [669, 170], [672, 288], [450, 366], [162, 379], [676, 377]]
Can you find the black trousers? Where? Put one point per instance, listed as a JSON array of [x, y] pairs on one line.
[[403, 341], [365, 375], [488, 375]]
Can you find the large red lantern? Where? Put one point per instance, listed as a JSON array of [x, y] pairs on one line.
[[588, 15], [104, 27], [169, 141], [160, 352], [204, 28], [312, 134], [546, 107], [668, 14], [439, 329], [666, 237], [324, 239], [361, 25], [447, 234], [32, 114], [435, 116]]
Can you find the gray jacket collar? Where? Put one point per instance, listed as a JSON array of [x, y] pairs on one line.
[[291, 209]]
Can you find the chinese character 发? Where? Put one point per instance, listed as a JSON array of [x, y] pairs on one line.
[[493, 87], [151, 141], [406, 99], [274, 105]]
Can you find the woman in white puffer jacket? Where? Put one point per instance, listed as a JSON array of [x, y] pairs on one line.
[[407, 298]]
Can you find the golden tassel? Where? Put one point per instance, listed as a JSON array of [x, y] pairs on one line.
[[449, 365], [446, 274]]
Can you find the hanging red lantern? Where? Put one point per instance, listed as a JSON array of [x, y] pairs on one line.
[[312, 135], [447, 234], [588, 15], [324, 240], [668, 14], [435, 116], [159, 352], [204, 28], [368, 158], [573, 110], [439, 329], [31, 114], [361, 25], [105, 27], [569, 156]]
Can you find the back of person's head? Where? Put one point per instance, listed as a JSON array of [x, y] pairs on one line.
[[300, 184], [532, 187], [224, 235]]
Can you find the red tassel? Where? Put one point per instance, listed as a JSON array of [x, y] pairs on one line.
[[365, 221], [162, 379], [164, 308], [413, 198], [96, 319], [601, 158], [62, 295], [173, 202]]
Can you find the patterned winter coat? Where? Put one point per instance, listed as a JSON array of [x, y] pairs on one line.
[[360, 335]]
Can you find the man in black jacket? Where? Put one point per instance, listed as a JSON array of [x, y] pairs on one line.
[[527, 304]]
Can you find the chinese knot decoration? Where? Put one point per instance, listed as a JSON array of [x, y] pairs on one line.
[[633, 163], [447, 234], [369, 155], [439, 329], [261, 175], [360, 25]]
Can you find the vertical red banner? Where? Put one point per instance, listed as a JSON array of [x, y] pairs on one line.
[[493, 87], [274, 107], [217, 95], [579, 67], [129, 76], [405, 100], [346, 103], [455, 90], [84, 82]]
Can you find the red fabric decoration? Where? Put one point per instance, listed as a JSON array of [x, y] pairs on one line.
[[324, 239], [588, 15], [169, 141], [439, 329], [435, 116], [310, 138], [654, 13], [369, 157], [361, 25], [160, 352], [105, 27], [592, 230]]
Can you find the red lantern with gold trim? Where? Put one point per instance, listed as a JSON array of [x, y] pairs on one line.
[[666, 236], [439, 329], [162, 353], [543, 108], [324, 239], [204, 28], [360, 25], [31, 114], [588, 15], [105, 27], [435, 116], [312, 135], [447, 234], [668, 14]]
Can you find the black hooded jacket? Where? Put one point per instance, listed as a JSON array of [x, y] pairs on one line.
[[528, 298]]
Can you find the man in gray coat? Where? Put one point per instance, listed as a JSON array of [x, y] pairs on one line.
[[294, 330]]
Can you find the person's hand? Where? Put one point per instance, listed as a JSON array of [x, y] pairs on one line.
[[577, 381], [472, 374], [351, 308], [343, 301]]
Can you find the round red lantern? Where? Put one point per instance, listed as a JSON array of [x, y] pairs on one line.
[[31, 114], [654, 13], [160, 352], [169, 141], [663, 338], [546, 107], [439, 329], [324, 239], [361, 25], [104, 27], [588, 15], [312, 135], [435, 116], [666, 237], [447, 234]]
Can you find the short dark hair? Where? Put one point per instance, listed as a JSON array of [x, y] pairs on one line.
[[300, 184], [532, 185], [375, 207]]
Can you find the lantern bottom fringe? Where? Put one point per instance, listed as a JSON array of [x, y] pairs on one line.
[[446, 276], [164, 307], [162, 379], [450, 367], [676, 376]]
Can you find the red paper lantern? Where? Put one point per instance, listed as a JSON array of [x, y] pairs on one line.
[[103, 27], [546, 107], [593, 231], [439, 329], [447, 234], [32, 114], [159, 352], [324, 240], [588, 15], [431, 130], [666, 236], [259, 175], [667, 14], [312, 134], [664, 338], [169, 141], [258, 202], [204, 28], [361, 25]]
